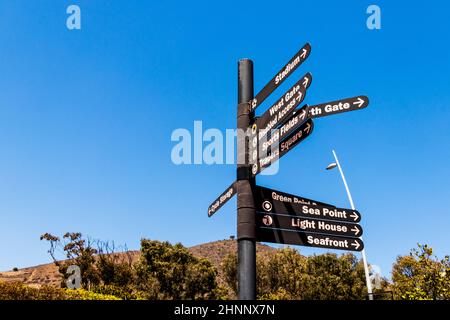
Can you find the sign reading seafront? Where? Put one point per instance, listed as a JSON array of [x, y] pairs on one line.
[[308, 239]]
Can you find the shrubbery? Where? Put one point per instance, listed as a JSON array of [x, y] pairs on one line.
[[19, 291], [166, 271]]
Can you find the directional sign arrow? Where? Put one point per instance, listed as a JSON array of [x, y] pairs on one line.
[[222, 199], [357, 231], [291, 141], [294, 223], [285, 72], [301, 238], [338, 106], [316, 211], [262, 194], [284, 106]]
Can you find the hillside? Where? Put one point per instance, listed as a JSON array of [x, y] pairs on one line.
[[47, 274]]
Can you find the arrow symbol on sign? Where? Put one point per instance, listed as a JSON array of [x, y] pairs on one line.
[[356, 245], [354, 216], [299, 97], [303, 55], [308, 128], [355, 230], [303, 114], [359, 102], [305, 82]]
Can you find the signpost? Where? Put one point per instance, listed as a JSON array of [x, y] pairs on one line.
[[269, 215], [282, 75]]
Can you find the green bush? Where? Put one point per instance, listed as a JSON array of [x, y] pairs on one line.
[[20, 291]]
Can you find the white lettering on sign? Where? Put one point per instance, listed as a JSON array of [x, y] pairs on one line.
[[327, 242], [289, 199], [321, 225], [279, 197], [287, 70], [326, 212], [276, 107], [288, 125], [311, 211], [334, 213], [269, 159], [303, 224], [337, 107], [222, 199], [331, 227]]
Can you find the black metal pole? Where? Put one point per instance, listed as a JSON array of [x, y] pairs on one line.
[[246, 232]]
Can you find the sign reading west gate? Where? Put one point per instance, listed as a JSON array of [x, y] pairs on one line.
[[308, 239], [294, 223], [282, 75], [292, 140], [284, 106], [338, 106]]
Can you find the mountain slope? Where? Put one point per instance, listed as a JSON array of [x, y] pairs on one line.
[[47, 274]]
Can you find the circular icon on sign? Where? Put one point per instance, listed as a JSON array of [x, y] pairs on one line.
[[266, 205], [267, 220], [255, 155], [255, 168], [254, 127], [254, 142]]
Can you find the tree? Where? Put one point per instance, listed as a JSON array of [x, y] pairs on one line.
[[289, 275], [78, 251], [421, 276], [330, 277], [178, 274]]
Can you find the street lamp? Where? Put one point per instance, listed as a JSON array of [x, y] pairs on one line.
[[363, 252]]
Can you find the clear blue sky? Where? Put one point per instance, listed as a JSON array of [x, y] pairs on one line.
[[86, 117]]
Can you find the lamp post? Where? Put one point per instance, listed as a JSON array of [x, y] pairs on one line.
[[363, 252]]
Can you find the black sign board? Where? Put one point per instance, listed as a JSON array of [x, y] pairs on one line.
[[222, 199], [292, 140], [294, 223], [264, 234], [262, 194], [338, 106], [269, 140], [284, 106], [316, 211], [285, 72]]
